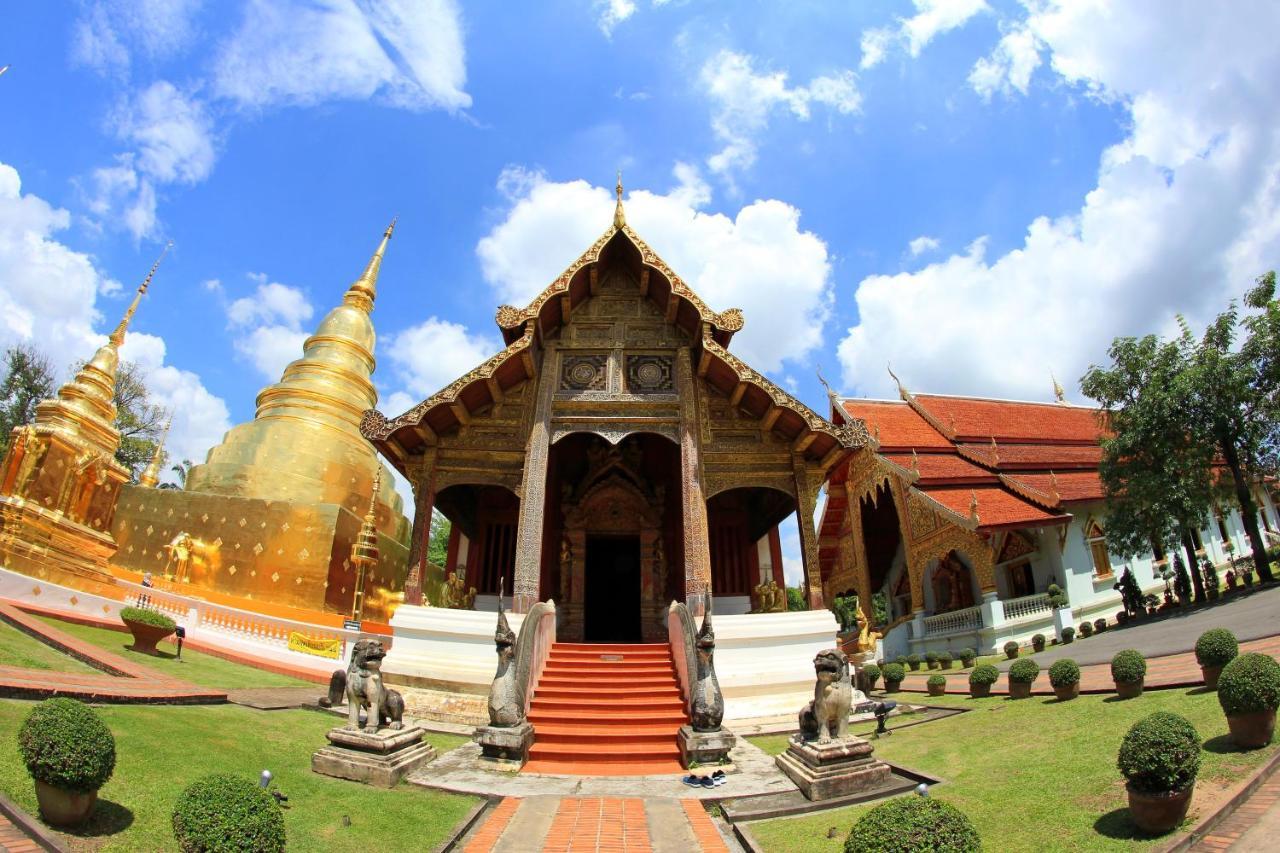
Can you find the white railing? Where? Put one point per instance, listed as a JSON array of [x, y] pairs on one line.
[[1028, 605], [537, 636], [968, 619], [204, 617]]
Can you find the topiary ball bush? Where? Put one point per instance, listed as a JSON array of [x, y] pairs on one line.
[[984, 673], [1024, 671], [1250, 684], [945, 659], [1216, 647], [64, 743], [872, 673], [1099, 625], [1011, 648], [967, 655], [1038, 640], [1068, 634], [937, 680], [913, 825], [1160, 753], [1064, 672], [221, 813], [147, 617], [1128, 667], [894, 672], [1086, 629]]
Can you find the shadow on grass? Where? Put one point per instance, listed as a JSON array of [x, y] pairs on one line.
[[1197, 691], [1119, 825], [108, 818], [1118, 698], [156, 654], [1222, 745]]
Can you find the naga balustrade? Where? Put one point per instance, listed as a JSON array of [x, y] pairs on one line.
[[681, 637], [968, 619], [533, 646], [1027, 605]]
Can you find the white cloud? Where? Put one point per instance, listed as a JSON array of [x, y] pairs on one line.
[[1185, 213], [610, 13], [106, 30], [932, 18], [1009, 67], [269, 325], [430, 355], [760, 260], [923, 244], [744, 101], [408, 53]]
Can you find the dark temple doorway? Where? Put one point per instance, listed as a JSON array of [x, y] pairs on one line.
[[612, 601]]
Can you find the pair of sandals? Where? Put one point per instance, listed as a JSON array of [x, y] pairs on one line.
[[715, 780]]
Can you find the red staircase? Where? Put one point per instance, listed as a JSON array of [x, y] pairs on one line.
[[606, 710]]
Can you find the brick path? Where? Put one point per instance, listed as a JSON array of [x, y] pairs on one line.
[[13, 839], [591, 824], [1180, 670], [1252, 826], [121, 680]]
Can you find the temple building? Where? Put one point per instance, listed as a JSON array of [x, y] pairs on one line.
[[272, 514], [963, 511]]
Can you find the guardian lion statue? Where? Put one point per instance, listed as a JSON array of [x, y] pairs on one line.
[[362, 684], [827, 716]]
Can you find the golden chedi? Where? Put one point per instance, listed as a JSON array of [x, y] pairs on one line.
[[272, 514], [60, 481]]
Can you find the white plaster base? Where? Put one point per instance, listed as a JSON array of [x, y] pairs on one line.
[[443, 649], [764, 661]]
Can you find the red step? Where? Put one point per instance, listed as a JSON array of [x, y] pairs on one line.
[[571, 716]]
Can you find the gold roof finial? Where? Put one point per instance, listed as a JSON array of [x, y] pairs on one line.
[[150, 478], [619, 218], [1053, 480], [117, 337], [1059, 393], [364, 290], [902, 392], [915, 462], [973, 507], [995, 452], [831, 395]]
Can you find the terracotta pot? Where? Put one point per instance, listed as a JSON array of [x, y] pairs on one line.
[[1067, 691], [1038, 647], [1250, 731], [892, 686], [60, 807], [1011, 655], [979, 691], [146, 636], [1210, 675], [1129, 689], [1019, 690], [1156, 814], [939, 690], [965, 663]]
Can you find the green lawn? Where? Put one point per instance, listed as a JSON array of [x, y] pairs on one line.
[[204, 670], [160, 749], [1032, 774], [19, 649]]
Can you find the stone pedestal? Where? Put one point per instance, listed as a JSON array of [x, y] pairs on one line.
[[837, 768], [505, 747], [704, 747], [381, 759]]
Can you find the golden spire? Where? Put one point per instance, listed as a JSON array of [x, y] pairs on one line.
[[619, 218], [973, 507], [1059, 393], [364, 551], [151, 476], [364, 290], [117, 337]]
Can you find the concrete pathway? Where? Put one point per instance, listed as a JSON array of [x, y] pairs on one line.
[[591, 824]]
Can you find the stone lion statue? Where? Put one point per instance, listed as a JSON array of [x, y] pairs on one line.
[[827, 716], [362, 684]]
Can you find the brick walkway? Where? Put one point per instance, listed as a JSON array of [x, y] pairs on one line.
[[591, 824], [1252, 826], [13, 839], [121, 680], [1179, 670]]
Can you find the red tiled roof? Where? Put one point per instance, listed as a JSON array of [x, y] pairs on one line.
[[978, 420], [946, 467], [1071, 486], [996, 506], [1020, 457], [899, 425]]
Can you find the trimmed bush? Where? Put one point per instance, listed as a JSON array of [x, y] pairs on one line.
[[64, 743], [901, 660], [1249, 684], [894, 672], [931, 658], [1216, 647], [1011, 649], [984, 673], [913, 661], [937, 680], [1057, 598], [1068, 635], [913, 825], [1024, 671], [945, 659], [1086, 629], [227, 813], [1038, 640], [1128, 667], [1099, 625], [872, 673], [1160, 753], [967, 656], [154, 618], [1064, 673]]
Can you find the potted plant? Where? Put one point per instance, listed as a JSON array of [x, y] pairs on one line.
[[1128, 670], [70, 753], [980, 680], [1247, 574], [1122, 617], [1160, 757], [1064, 675], [967, 657], [1086, 630], [226, 812], [1021, 675], [1151, 603], [1249, 692], [914, 824], [148, 627], [1210, 574], [914, 662], [893, 675], [1231, 579], [1057, 598], [1011, 650], [937, 684], [1216, 648], [1037, 642], [1099, 625], [944, 660], [871, 673], [1068, 635], [931, 658]]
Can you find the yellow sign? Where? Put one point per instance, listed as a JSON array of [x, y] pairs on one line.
[[325, 647]]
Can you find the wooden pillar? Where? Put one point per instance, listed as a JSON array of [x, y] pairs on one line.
[[693, 504], [533, 492], [423, 481], [806, 506]]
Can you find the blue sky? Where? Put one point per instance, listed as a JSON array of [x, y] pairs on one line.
[[978, 192]]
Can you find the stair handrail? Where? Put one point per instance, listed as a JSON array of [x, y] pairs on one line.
[[533, 646], [681, 637]]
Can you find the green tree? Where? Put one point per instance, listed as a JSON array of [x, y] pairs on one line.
[[438, 546], [139, 420], [845, 609], [795, 599], [28, 379], [181, 470]]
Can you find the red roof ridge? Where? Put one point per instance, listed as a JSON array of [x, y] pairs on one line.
[[1050, 404]]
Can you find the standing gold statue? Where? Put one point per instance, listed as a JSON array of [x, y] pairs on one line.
[[179, 561]]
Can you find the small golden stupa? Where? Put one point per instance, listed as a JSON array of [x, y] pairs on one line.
[[273, 512], [60, 480]]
